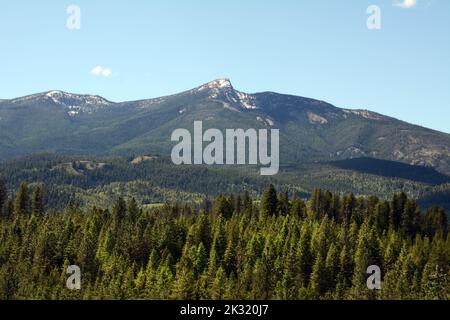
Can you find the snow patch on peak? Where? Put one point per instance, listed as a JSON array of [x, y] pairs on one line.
[[222, 89], [220, 84], [69, 99], [54, 93], [77, 104], [216, 85], [246, 100]]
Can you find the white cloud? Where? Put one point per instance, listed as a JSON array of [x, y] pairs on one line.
[[106, 72], [100, 71], [406, 4]]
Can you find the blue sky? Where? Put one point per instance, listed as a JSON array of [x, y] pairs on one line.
[[320, 49]]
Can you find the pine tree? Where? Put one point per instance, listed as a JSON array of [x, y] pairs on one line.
[[229, 258], [435, 283], [287, 288], [317, 282], [315, 203], [218, 287], [347, 207], [37, 202], [397, 207], [179, 252], [283, 203], [335, 205], [218, 247], [119, 209], [304, 256], [238, 204], [201, 260], [260, 283], [223, 207], [203, 232], [133, 210], [298, 208], [247, 202], [332, 267], [8, 208], [22, 205], [184, 285], [362, 261], [164, 282], [3, 197], [407, 223], [269, 202], [345, 266], [382, 213], [435, 219]]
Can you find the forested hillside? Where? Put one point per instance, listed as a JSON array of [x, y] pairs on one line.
[[234, 248], [310, 130], [153, 180]]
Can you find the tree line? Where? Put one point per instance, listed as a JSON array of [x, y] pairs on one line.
[[278, 247]]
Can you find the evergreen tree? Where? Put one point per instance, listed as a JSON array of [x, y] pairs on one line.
[[283, 203], [37, 202], [260, 283], [22, 205], [269, 202], [184, 285], [332, 268], [8, 208], [298, 208], [435, 283], [223, 207], [119, 209], [397, 209], [133, 210], [3, 197], [179, 252], [407, 223], [347, 207], [304, 256], [318, 277], [435, 219], [201, 260], [218, 288]]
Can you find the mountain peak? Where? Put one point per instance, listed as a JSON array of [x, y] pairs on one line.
[[70, 99], [217, 85], [220, 83], [223, 90]]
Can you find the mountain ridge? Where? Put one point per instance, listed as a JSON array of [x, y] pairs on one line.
[[311, 130], [356, 110]]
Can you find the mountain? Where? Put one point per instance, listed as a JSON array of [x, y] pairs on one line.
[[393, 169], [310, 130]]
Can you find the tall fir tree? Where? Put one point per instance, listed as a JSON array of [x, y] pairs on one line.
[[269, 202], [3, 197], [22, 201], [37, 202]]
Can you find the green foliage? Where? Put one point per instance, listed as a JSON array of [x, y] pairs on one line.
[[37, 202], [269, 202], [318, 251], [22, 202], [3, 196], [153, 181]]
